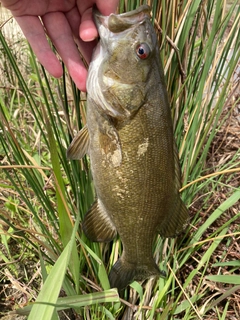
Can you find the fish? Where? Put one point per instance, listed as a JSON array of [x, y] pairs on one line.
[[129, 139]]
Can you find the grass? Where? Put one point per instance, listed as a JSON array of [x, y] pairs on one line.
[[45, 257]]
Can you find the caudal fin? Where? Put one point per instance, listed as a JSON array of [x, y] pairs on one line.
[[123, 273]]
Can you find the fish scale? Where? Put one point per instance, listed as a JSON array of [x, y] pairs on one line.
[[129, 139]]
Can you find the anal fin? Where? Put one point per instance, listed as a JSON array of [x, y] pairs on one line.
[[79, 146], [97, 225]]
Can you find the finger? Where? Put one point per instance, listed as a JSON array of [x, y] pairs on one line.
[[107, 7], [86, 49], [60, 33], [87, 30], [74, 21], [34, 32]]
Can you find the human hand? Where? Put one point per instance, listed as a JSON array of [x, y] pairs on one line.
[[64, 21]]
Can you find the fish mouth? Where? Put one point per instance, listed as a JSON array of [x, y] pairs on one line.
[[121, 22]]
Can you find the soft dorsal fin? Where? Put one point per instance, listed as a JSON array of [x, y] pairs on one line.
[[176, 220], [97, 225], [79, 146], [177, 167]]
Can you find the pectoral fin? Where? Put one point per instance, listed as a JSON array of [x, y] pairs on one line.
[[97, 225], [110, 143], [79, 146]]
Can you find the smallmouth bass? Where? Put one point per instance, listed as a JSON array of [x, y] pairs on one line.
[[129, 138]]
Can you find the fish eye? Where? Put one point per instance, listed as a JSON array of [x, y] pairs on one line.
[[142, 51]]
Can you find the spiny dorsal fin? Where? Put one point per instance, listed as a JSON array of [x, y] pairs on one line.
[[97, 225], [79, 146]]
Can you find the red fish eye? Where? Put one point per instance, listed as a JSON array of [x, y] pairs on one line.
[[143, 51]]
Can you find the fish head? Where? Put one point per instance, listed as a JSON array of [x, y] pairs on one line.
[[123, 62]]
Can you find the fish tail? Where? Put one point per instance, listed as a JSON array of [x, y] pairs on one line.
[[123, 273]]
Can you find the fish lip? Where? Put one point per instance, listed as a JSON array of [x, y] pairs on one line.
[[120, 22]]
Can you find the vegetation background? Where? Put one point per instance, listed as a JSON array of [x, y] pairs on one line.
[[44, 256]]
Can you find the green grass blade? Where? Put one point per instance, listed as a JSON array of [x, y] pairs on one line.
[[234, 198], [227, 279], [78, 301], [52, 286]]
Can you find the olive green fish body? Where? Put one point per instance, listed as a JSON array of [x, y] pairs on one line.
[[134, 160]]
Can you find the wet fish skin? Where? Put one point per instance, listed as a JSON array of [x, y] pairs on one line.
[[134, 159]]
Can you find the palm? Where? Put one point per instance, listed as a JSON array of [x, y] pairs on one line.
[[38, 8], [63, 20]]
